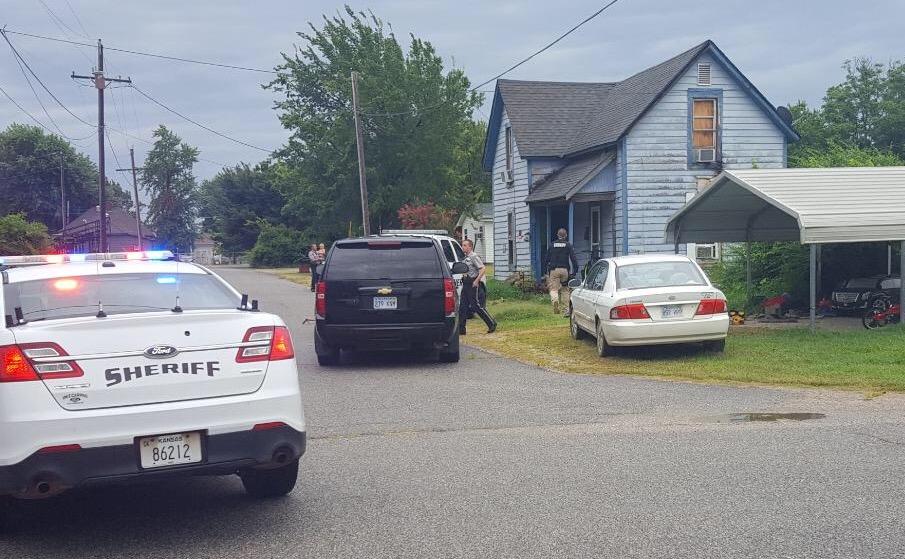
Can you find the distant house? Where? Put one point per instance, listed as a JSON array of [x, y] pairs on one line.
[[203, 251], [82, 234], [611, 162], [479, 228]]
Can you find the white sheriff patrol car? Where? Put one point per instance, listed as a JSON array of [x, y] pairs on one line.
[[133, 365]]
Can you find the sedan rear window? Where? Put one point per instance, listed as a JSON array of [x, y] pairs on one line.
[[384, 260], [658, 274], [68, 297]]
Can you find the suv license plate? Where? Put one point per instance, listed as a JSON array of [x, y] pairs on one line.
[[170, 450], [383, 303], [671, 311]]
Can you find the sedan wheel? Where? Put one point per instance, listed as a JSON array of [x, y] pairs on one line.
[[603, 349], [576, 331]]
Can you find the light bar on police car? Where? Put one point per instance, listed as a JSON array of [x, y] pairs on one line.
[[34, 259]]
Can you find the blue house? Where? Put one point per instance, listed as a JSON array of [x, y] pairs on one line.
[[612, 162]]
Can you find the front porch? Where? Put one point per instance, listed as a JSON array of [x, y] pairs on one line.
[[591, 225]]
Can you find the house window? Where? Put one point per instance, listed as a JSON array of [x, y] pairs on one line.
[[704, 122], [509, 149]]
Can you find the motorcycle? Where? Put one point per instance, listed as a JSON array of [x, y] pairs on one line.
[[881, 311]]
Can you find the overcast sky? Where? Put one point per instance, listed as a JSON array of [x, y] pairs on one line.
[[789, 49]]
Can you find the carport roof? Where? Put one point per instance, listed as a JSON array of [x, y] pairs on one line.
[[817, 205]]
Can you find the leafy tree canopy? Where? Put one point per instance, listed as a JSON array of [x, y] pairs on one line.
[[168, 179], [420, 142], [20, 236], [30, 177]]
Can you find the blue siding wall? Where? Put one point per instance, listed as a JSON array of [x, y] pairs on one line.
[[656, 154], [506, 198]]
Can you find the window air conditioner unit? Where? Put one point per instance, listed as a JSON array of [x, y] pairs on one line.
[[706, 252], [706, 155], [506, 177]]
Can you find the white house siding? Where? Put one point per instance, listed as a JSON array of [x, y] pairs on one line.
[[483, 246], [657, 153], [506, 198]]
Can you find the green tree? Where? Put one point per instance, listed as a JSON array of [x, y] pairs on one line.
[[168, 179], [416, 117], [235, 201], [30, 177], [20, 236], [277, 245]]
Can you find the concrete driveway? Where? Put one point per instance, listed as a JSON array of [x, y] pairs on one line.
[[492, 458]]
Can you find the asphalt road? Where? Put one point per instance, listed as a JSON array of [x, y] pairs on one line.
[[492, 458]]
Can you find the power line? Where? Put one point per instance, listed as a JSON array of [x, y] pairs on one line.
[[198, 124], [37, 98], [31, 116], [78, 20], [149, 54], [514, 66], [56, 19]]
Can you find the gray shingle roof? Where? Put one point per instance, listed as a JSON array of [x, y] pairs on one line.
[[569, 179], [121, 222], [562, 118]]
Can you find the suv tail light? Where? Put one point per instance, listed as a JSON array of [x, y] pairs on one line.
[[635, 311], [19, 363], [449, 296], [320, 300], [711, 306], [278, 345]]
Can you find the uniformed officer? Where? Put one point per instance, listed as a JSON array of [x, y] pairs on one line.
[[559, 257], [470, 284]]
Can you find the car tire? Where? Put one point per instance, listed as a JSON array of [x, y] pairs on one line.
[[603, 348], [716, 346], [267, 484], [451, 353], [574, 329], [326, 355]]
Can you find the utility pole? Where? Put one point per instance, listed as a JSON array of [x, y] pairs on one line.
[[100, 82], [359, 141], [63, 217], [137, 202]]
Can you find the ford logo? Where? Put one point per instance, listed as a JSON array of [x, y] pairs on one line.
[[161, 351]]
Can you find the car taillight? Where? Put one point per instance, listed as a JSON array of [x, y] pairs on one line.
[[320, 300], [449, 296], [15, 366], [634, 311], [36, 361], [274, 344], [711, 306]]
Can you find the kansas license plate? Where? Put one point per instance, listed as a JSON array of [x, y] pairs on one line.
[[671, 311], [382, 303], [170, 450]]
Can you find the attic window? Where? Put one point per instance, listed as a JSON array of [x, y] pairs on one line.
[[703, 74]]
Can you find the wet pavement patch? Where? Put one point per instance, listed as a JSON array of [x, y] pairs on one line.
[[748, 417]]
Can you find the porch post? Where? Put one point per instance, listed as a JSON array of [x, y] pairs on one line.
[[549, 232], [571, 221], [813, 278]]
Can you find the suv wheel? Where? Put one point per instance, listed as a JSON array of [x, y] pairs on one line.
[[451, 353], [326, 355], [603, 349], [264, 484]]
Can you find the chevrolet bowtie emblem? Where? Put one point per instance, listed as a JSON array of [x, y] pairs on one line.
[[384, 290]]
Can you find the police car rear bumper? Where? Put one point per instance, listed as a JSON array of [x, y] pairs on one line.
[[45, 474]]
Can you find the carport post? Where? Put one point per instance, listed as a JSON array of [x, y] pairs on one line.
[[813, 279], [901, 278], [747, 275]]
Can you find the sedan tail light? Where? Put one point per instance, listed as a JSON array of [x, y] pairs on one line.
[[320, 300], [711, 306], [449, 296], [36, 361], [276, 345], [634, 311]]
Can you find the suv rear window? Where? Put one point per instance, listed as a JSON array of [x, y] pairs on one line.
[[384, 260], [68, 297]]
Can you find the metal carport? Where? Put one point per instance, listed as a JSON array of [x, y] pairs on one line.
[[813, 206]]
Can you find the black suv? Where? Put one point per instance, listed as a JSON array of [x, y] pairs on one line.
[[387, 293], [859, 293]]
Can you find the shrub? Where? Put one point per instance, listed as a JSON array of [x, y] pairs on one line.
[[277, 245], [20, 236]]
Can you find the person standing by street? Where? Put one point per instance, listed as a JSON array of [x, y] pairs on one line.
[[559, 258], [313, 262], [470, 284]]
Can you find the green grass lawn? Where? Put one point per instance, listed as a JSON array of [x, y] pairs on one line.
[[871, 361], [291, 274]]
